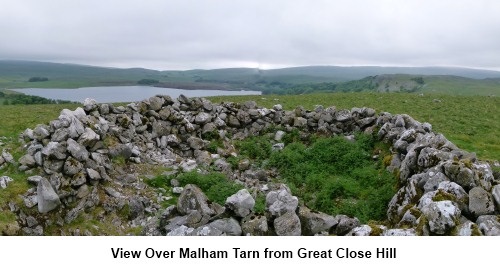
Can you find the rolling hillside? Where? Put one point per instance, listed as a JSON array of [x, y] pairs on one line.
[[461, 81]]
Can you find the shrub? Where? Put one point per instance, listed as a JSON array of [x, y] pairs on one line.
[[215, 185], [258, 148], [337, 176]]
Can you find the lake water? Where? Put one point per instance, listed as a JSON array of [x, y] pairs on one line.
[[123, 93]]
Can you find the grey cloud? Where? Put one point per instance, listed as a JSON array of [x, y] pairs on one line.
[[223, 33]]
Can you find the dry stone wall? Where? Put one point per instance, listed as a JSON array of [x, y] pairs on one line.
[[443, 190]]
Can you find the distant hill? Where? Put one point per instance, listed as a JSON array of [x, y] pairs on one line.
[[445, 84], [16, 74]]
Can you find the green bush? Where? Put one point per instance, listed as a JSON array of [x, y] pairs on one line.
[[215, 185], [337, 176], [258, 148]]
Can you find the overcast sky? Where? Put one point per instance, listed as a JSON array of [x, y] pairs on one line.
[[186, 34]]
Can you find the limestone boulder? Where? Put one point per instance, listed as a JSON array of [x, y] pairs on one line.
[[47, 198], [281, 201], [315, 222], [480, 202], [241, 203], [287, 224], [193, 199]]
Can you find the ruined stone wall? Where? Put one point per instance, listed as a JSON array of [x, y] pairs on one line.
[[444, 190]]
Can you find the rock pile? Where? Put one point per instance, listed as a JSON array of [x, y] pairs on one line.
[[443, 189], [195, 216]]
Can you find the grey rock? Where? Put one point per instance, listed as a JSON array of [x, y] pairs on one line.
[[278, 136], [177, 190], [315, 222], [202, 118], [222, 165], [468, 228], [61, 134], [112, 192], [151, 227], [192, 198], [181, 231], [89, 104], [206, 230], [228, 226], [93, 174], [27, 160], [287, 224], [459, 195], [30, 201], [188, 165], [343, 115], [75, 212], [244, 165], [82, 192], [209, 128], [219, 122], [47, 198], [38, 158], [52, 166], [281, 201], [120, 150], [155, 103], [172, 140], [88, 138], [41, 132], [31, 221], [77, 151], [278, 146], [489, 225], [480, 202], [196, 143], [400, 232], [78, 179], [54, 150], [254, 225], [8, 157], [75, 128], [299, 122], [363, 230], [34, 179], [442, 216], [233, 121], [136, 207], [4, 181], [435, 178], [343, 224], [495, 192], [161, 128], [241, 203], [72, 166]]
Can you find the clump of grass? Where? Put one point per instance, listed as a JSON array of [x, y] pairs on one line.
[[256, 148], [337, 176], [260, 204], [215, 185]]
